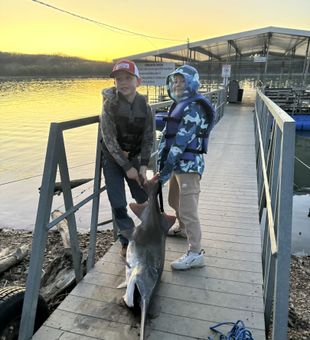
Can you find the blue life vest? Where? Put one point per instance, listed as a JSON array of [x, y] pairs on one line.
[[174, 118]]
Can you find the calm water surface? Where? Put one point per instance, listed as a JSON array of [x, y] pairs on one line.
[[27, 107]]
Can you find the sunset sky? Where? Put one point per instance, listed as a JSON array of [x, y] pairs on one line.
[[27, 26]]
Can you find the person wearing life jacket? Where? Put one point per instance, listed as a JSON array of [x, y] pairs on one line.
[[181, 152], [127, 129]]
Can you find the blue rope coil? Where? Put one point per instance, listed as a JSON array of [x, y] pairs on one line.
[[238, 331]]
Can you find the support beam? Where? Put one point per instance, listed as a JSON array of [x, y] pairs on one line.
[[205, 52], [176, 57], [295, 46], [233, 44], [267, 46], [306, 65]]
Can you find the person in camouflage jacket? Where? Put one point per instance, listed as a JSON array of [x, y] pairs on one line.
[[181, 160], [127, 128]]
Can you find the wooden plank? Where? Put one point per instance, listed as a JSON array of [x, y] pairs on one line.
[[247, 240], [223, 219], [111, 310], [93, 326], [231, 196], [229, 211], [102, 292], [222, 252], [238, 265], [236, 220], [47, 333], [181, 279], [155, 335], [229, 231], [212, 252], [205, 223], [246, 248], [233, 206], [210, 272], [190, 327], [211, 298], [228, 264], [199, 311]]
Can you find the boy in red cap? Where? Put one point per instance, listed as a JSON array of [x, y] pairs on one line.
[[127, 128]]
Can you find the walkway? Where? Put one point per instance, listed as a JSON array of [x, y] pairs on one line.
[[229, 288]]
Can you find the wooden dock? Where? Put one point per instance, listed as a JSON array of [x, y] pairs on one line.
[[187, 303]]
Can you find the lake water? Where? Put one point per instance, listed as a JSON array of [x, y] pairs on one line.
[[27, 107]]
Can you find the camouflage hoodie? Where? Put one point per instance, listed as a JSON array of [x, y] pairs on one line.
[[192, 121], [111, 147]]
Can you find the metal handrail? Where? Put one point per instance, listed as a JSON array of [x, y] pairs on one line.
[[74, 208], [272, 236], [56, 156], [275, 144]]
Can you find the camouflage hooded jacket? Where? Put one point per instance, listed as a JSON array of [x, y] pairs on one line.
[[193, 120], [108, 124]]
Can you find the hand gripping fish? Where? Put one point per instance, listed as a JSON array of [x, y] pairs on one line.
[[146, 253]]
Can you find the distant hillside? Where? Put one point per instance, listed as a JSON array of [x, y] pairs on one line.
[[12, 64]]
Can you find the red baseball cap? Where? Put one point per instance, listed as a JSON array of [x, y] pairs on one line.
[[127, 66]]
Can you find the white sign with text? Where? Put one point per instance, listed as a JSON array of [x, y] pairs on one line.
[[226, 69], [155, 74]]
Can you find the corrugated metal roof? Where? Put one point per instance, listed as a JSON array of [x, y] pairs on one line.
[[274, 40]]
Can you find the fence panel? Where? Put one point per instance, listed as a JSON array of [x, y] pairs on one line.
[[274, 144]]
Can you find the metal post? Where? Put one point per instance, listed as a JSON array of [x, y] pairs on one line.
[[67, 194], [95, 207], [306, 65], [267, 56], [39, 237], [284, 234]]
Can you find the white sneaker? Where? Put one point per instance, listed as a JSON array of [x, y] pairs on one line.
[[177, 231], [189, 260]]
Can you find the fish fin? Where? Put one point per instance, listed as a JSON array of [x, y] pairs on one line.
[[137, 208], [122, 285], [170, 220], [144, 305], [129, 296]]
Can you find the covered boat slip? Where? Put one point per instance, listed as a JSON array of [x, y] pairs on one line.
[[187, 303]]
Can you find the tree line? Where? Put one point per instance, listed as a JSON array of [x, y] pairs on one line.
[[14, 64]]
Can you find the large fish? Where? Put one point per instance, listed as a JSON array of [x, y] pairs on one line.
[[146, 253]]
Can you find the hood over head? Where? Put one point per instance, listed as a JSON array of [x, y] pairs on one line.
[[192, 83]]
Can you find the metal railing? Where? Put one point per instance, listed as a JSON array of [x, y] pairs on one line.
[[217, 98], [275, 148], [56, 157]]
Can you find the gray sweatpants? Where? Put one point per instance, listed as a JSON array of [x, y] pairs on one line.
[[183, 196]]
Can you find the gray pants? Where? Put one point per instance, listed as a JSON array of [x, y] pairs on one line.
[[183, 196]]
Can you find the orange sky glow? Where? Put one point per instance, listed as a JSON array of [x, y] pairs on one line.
[[30, 27]]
